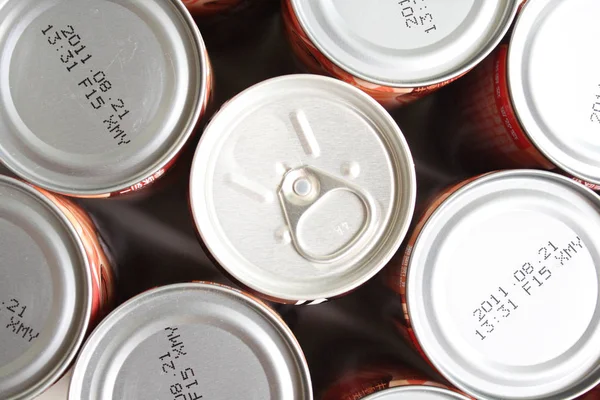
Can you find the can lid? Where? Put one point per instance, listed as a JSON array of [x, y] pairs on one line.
[[302, 187], [97, 95], [405, 43], [197, 340], [45, 291], [502, 287], [416, 393], [542, 59]]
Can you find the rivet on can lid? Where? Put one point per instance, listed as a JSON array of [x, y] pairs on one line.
[[502, 287], [544, 61], [302, 187], [200, 340], [407, 43], [97, 95], [45, 291]]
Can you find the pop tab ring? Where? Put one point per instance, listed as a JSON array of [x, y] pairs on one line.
[[305, 187]]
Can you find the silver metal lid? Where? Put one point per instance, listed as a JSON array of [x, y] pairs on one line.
[[97, 95], [45, 292], [416, 393], [193, 340], [405, 43], [302, 187], [543, 58], [502, 287]]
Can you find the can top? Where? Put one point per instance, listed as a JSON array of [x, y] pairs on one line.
[[405, 43], [543, 58], [193, 340], [502, 287], [97, 95], [45, 291], [302, 187], [416, 393]]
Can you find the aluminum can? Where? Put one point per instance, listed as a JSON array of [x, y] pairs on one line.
[[387, 382], [416, 393], [192, 341], [489, 280], [396, 51], [302, 188], [212, 7], [507, 116], [56, 282], [98, 96]]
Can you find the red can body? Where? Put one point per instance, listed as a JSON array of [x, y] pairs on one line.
[[594, 394], [212, 7], [489, 134], [359, 384], [102, 272]]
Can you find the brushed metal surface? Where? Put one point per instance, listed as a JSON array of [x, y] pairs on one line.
[[45, 291], [97, 95], [194, 339], [357, 170], [540, 59], [405, 43], [493, 270]]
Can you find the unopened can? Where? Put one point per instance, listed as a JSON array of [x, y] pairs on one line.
[[302, 188], [388, 382], [56, 282], [211, 7], [508, 116], [396, 51], [98, 96], [192, 341], [490, 279]]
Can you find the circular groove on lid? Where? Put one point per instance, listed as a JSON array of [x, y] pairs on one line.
[[360, 184], [45, 291], [541, 59], [494, 279], [195, 339], [97, 95], [408, 43]]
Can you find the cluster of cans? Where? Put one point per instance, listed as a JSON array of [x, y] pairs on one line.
[[302, 189]]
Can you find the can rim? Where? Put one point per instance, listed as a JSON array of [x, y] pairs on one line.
[[408, 203], [404, 390], [518, 96], [450, 75], [202, 58], [411, 308], [76, 344], [81, 363]]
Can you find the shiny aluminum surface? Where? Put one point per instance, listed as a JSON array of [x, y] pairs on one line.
[[302, 187], [407, 43], [45, 292], [97, 95], [415, 393], [544, 60], [197, 340], [502, 287]]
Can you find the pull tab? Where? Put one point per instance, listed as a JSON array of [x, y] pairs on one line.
[[306, 187]]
